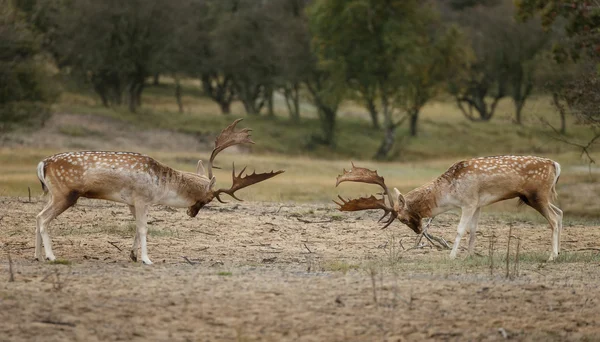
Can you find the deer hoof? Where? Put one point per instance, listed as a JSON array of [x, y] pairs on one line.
[[132, 256]]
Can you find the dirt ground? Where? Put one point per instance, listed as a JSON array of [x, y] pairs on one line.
[[286, 272]]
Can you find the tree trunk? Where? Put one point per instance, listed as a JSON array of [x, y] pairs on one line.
[[131, 98], [138, 93], [156, 79], [292, 101], [221, 92], [414, 118], [270, 106], [178, 94], [102, 93], [519, 104], [225, 107], [389, 135], [327, 116], [561, 111], [373, 113], [387, 144]]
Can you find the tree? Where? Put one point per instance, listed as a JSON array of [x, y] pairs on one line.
[[387, 36], [577, 51], [113, 45], [291, 42], [484, 81], [26, 86], [440, 51]]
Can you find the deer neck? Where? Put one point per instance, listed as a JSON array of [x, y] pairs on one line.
[[427, 200], [182, 189]]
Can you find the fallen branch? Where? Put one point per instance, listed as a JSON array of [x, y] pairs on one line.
[[203, 232], [439, 240], [48, 321], [189, 261], [418, 242], [586, 249], [307, 221], [115, 246], [10, 269], [305, 246], [284, 206]]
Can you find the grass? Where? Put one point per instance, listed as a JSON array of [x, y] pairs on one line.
[[225, 274], [60, 262], [313, 180], [310, 171], [338, 266], [443, 130], [79, 131]]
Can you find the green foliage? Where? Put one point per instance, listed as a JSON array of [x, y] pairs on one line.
[[573, 91], [26, 86], [391, 59], [113, 45]]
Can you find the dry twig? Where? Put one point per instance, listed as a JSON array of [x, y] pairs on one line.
[[10, 269], [305, 246], [114, 245], [307, 221]]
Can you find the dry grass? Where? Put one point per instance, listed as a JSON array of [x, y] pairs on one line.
[[313, 180]]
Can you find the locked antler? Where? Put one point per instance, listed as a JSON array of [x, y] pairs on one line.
[[363, 175], [240, 182], [229, 137]]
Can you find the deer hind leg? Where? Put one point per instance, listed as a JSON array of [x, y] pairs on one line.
[[472, 230], [136, 239], [554, 218], [141, 217], [54, 208], [559, 214], [465, 219], [38, 235]]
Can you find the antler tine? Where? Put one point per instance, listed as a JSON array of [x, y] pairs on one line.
[[228, 138], [388, 222], [364, 175], [240, 182]]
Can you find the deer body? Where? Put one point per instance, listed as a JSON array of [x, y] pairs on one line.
[[134, 179], [476, 183]]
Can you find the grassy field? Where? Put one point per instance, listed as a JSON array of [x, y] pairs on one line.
[[445, 137], [443, 132], [285, 264]]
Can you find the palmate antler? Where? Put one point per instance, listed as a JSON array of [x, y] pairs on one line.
[[229, 137], [363, 175], [240, 182]]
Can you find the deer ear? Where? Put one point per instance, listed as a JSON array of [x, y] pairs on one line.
[[212, 183], [200, 169], [399, 196]]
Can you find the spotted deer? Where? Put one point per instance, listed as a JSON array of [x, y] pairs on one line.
[[468, 185], [136, 180]]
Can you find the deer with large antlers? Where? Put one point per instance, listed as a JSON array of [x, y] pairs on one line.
[[468, 185], [136, 180]]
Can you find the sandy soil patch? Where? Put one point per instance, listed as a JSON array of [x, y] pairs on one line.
[[256, 271]]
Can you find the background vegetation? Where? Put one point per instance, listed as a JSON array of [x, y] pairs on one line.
[[423, 82]]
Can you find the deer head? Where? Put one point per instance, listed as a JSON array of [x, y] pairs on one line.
[[396, 209], [228, 137]]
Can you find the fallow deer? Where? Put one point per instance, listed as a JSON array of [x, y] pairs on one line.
[[136, 180], [468, 185]]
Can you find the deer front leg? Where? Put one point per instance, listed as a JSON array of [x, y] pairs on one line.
[[473, 230], [559, 218], [136, 240], [465, 219], [50, 212], [141, 218]]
